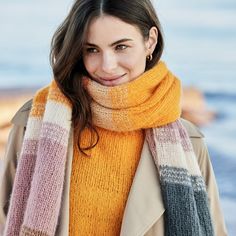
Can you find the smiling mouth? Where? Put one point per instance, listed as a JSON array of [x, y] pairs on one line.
[[112, 78]]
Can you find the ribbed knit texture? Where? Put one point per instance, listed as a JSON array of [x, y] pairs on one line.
[[183, 188], [36, 198], [100, 183], [152, 101]]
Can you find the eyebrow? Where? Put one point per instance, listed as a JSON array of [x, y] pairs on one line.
[[112, 44]]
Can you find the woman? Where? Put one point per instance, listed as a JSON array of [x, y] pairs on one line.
[[105, 151]]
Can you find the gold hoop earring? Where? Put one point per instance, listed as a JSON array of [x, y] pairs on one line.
[[149, 57]]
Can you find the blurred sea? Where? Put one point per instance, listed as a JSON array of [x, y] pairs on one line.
[[200, 49]]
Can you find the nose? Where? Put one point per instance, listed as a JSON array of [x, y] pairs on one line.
[[109, 62]]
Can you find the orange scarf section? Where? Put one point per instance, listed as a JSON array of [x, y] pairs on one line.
[[151, 100]]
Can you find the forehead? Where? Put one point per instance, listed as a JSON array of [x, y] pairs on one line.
[[107, 28]]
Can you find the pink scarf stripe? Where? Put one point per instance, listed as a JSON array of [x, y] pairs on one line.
[[20, 192], [49, 173], [173, 137], [36, 196], [54, 133], [19, 198], [52, 145], [173, 133]]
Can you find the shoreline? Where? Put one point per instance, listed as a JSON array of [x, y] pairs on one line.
[[17, 91]]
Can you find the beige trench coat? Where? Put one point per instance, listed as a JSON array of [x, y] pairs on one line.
[[144, 210]]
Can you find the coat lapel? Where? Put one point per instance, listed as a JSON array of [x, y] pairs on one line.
[[144, 205], [63, 224]]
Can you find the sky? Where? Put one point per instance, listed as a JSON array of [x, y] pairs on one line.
[[199, 37]]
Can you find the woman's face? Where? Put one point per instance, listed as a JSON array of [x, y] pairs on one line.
[[115, 51]]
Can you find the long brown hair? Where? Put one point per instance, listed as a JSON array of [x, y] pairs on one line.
[[67, 45]]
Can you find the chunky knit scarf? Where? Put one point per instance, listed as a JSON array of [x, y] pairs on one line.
[[151, 102]]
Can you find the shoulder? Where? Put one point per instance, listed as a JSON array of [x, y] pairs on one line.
[[197, 140], [198, 143], [21, 116], [193, 130]]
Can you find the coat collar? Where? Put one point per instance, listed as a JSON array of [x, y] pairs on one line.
[[144, 205]]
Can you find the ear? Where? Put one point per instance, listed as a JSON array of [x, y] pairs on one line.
[[151, 42]]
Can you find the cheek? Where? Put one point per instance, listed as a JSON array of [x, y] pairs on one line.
[[90, 64], [136, 64]]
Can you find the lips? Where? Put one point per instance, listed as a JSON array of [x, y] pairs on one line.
[[111, 78]]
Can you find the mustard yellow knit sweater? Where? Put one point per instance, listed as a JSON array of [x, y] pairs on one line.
[[100, 184]]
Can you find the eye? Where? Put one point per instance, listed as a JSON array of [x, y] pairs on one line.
[[91, 50], [121, 47]]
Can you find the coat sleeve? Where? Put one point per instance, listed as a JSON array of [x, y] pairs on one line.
[[12, 152], [205, 165]]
